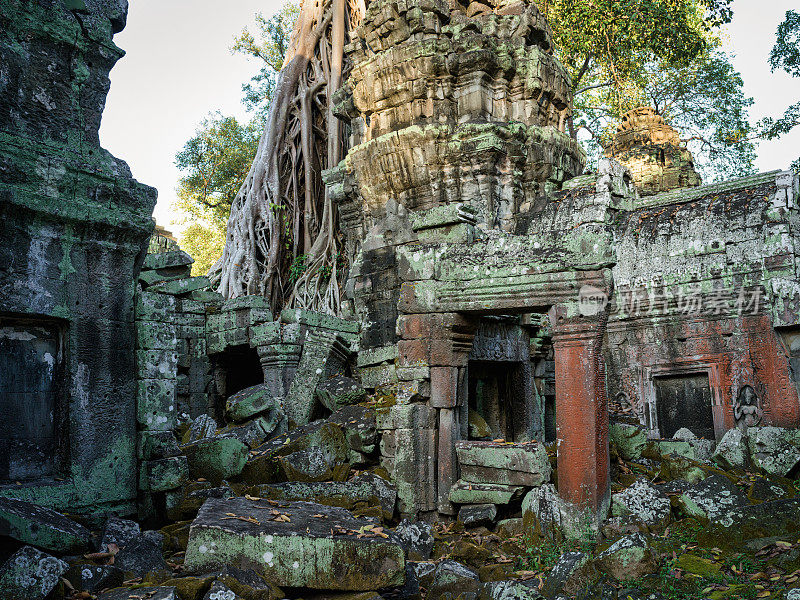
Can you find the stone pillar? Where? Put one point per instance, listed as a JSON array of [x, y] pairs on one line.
[[279, 363], [433, 350], [582, 416]]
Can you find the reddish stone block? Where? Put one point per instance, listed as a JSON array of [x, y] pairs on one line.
[[444, 387], [413, 353], [412, 327]]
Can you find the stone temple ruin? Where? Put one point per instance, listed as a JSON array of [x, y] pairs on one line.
[[509, 321]]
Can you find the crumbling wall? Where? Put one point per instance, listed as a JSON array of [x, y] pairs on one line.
[[74, 227]]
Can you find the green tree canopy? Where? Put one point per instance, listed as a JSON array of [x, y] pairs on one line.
[[274, 35], [665, 54], [703, 101], [217, 158], [785, 55]]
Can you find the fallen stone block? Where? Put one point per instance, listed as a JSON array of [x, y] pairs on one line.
[[478, 427], [692, 448], [416, 537], [167, 473], [340, 391], [630, 440], [313, 464], [465, 492], [291, 546], [139, 593], [571, 573], [165, 260], [248, 584], [547, 516], [41, 527], [252, 401], [179, 287], [732, 451], [453, 578], [509, 590], [215, 458], [30, 574], [629, 558], [774, 450], [644, 502], [93, 578], [474, 515], [767, 490], [362, 491], [118, 531], [194, 495], [254, 432], [768, 519], [220, 591], [142, 555], [710, 499], [263, 466], [204, 426], [524, 464], [359, 425]]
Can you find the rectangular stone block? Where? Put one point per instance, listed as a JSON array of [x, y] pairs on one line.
[[378, 376], [157, 364], [152, 335], [265, 333], [181, 286], [413, 416], [245, 302], [444, 387], [187, 305], [154, 307], [320, 320], [525, 464], [465, 492], [302, 550], [155, 404], [167, 473]]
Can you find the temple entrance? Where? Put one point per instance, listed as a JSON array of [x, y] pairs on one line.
[[684, 401], [31, 360], [496, 401]]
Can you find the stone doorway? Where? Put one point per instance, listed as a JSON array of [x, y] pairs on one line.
[[497, 397], [684, 401], [31, 399]]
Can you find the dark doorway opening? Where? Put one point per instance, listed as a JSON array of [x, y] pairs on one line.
[[684, 401], [236, 369], [32, 439], [497, 396]]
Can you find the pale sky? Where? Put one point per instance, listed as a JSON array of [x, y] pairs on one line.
[[178, 68]]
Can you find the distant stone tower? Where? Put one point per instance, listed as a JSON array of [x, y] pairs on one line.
[[653, 152]]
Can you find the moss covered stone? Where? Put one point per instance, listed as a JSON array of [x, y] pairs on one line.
[[299, 549]]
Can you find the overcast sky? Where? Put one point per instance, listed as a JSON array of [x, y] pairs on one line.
[[178, 68]]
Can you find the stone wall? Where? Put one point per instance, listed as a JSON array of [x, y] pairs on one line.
[[74, 227], [706, 282]]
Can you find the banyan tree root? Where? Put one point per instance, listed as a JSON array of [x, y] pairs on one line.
[[282, 239]]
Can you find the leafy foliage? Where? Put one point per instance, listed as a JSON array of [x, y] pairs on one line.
[[217, 159], [785, 55], [703, 101], [273, 40], [623, 54], [786, 52]]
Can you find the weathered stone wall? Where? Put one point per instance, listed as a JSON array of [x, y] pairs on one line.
[[74, 227], [706, 279]]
